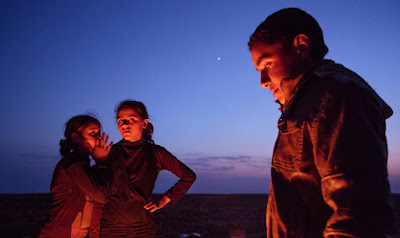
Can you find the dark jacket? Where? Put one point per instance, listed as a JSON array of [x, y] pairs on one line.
[[135, 167], [329, 168], [78, 192]]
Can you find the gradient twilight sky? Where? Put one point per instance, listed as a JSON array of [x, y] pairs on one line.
[[63, 58]]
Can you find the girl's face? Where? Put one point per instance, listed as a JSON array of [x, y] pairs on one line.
[[131, 124], [87, 138]]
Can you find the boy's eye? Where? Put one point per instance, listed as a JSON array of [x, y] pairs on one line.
[[267, 66], [131, 120]]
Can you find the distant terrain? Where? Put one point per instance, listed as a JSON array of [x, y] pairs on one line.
[[195, 215]]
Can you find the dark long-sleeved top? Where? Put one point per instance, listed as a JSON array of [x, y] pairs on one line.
[[329, 168], [135, 167], [78, 191]]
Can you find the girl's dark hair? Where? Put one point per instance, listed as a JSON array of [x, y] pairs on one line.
[[148, 131], [284, 25], [75, 124]]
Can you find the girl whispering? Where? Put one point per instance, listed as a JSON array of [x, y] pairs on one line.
[[79, 190], [135, 162]]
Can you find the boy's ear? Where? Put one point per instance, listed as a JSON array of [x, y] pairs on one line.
[[75, 137], [302, 45], [145, 123]]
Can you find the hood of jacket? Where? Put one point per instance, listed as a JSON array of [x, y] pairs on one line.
[[329, 68]]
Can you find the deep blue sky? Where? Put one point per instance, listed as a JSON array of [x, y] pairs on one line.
[[62, 58]]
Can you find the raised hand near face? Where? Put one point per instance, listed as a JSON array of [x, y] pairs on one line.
[[101, 150]]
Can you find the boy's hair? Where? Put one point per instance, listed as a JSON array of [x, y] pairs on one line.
[[284, 25]]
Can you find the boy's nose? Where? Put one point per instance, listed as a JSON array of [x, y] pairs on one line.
[[265, 80]]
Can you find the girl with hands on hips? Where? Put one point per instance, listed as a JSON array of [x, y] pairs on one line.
[[135, 162]]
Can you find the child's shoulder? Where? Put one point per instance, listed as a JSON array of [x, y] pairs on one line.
[[62, 163], [61, 166], [156, 147]]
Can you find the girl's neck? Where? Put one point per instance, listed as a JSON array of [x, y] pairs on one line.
[[135, 140]]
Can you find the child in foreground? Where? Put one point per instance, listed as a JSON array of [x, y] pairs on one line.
[[135, 162], [79, 190]]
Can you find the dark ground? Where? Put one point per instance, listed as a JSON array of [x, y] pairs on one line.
[[196, 215]]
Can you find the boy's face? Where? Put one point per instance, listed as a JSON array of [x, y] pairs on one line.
[[275, 64]]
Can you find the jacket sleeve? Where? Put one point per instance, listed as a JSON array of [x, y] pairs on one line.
[[350, 154], [93, 181], [187, 177]]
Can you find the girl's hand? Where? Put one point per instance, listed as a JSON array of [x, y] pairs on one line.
[[158, 203], [101, 150]]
